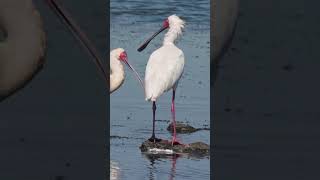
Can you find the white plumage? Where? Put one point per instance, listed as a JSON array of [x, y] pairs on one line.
[[117, 74], [165, 65], [163, 71]]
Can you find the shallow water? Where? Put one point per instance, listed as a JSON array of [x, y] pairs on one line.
[[131, 117]]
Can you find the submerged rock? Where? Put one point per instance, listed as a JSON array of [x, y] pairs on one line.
[[184, 128], [165, 147], [181, 128]]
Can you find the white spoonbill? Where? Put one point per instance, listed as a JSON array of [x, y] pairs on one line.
[[116, 56], [164, 69]]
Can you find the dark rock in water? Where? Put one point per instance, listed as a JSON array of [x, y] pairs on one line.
[[182, 128], [165, 147]]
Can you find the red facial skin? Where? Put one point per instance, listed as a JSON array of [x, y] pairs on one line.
[[165, 23], [123, 56]]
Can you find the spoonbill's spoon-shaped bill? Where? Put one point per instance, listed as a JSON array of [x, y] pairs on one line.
[[145, 44]]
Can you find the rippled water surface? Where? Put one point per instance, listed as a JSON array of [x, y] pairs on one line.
[[131, 117]]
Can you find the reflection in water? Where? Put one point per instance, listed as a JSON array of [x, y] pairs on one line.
[[159, 157], [173, 167], [114, 171]]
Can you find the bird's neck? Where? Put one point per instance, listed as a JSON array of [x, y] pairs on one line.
[[117, 74], [172, 34]]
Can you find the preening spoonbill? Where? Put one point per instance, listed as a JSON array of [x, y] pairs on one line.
[[117, 75], [164, 69], [116, 56]]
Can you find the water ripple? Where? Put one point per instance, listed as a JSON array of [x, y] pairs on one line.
[[157, 11]]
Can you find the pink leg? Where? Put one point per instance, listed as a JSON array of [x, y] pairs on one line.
[[153, 136], [174, 138]]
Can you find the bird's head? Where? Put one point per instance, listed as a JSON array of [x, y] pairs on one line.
[[175, 21], [172, 21], [121, 55]]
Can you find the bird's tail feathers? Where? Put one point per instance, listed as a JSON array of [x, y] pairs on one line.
[[150, 98]]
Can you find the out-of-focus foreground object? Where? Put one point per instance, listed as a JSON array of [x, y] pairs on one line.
[[22, 45], [224, 15]]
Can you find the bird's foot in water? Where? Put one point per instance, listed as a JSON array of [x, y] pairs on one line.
[[175, 142], [154, 139]]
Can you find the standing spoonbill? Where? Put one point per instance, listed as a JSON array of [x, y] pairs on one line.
[[116, 56], [164, 69]]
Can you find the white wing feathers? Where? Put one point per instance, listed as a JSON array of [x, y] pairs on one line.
[[163, 71]]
